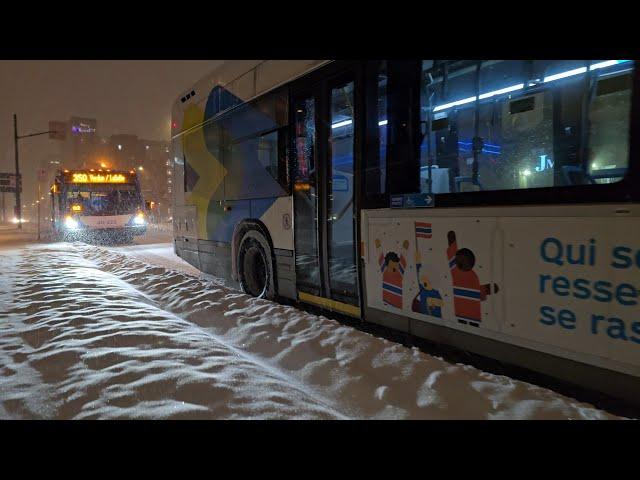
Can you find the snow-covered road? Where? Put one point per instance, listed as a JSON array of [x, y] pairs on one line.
[[129, 332]]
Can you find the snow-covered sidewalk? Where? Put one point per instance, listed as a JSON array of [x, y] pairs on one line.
[[87, 332]]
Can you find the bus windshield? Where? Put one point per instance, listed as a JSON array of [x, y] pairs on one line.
[[105, 199]]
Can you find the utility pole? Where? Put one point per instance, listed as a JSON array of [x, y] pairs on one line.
[[17, 137], [41, 176], [38, 209], [15, 141]]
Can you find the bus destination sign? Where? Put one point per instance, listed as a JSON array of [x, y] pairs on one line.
[[90, 177]]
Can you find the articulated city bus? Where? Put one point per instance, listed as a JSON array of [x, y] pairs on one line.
[[93, 203], [488, 205]]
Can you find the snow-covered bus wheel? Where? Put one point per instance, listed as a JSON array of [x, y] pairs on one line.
[[255, 266]]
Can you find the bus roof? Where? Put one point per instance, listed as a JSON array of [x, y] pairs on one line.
[[244, 79]]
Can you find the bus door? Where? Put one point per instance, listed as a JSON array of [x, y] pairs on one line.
[[324, 147]]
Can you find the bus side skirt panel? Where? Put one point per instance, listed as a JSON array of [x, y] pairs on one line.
[[215, 259]]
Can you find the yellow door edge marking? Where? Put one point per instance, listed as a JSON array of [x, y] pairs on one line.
[[350, 310]]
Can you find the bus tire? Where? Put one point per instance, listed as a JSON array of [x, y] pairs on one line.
[[255, 266]]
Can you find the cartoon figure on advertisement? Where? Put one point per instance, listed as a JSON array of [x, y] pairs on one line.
[[392, 267], [428, 301], [468, 293]]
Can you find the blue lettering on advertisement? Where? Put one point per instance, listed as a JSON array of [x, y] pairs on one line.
[[555, 252]]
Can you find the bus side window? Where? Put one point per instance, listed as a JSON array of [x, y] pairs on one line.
[[519, 124], [284, 169], [376, 159], [304, 140], [609, 128], [190, 176], [273, 157]]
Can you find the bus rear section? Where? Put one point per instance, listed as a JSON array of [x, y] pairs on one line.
[[97, 204]]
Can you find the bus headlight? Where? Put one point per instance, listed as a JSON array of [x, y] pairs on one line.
[[139, 219], [70, 222]]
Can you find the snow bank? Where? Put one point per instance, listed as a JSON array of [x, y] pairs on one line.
[[91, 333]]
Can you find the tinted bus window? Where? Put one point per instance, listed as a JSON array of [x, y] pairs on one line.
[[514, 124]]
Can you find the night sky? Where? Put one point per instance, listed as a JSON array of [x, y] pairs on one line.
[[124, 96]]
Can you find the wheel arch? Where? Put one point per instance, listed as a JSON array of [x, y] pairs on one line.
[[239, 231]]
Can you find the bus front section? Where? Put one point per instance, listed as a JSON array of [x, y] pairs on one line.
[[96, 203]]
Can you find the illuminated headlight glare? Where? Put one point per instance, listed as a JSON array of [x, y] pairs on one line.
[[70, 223], [139, 219]]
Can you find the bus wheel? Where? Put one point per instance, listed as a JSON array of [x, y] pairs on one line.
[[255, 266]]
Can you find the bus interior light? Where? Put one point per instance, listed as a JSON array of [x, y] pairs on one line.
[[454, 104], [569, 73], [344, 123], [512, 88]]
